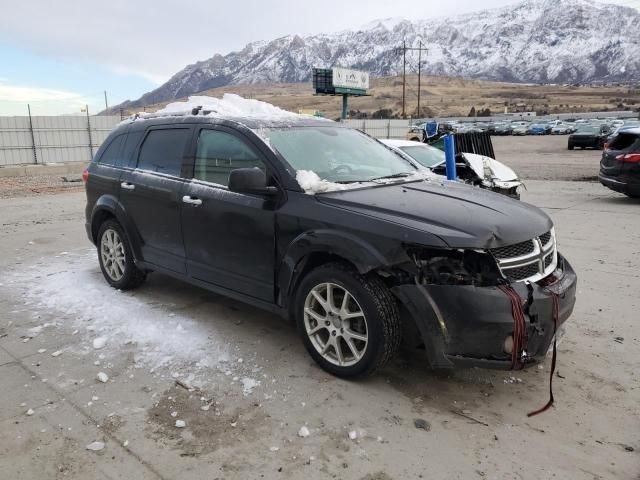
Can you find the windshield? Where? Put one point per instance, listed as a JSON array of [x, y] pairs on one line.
[[588, 130], [425, 155], [340, 155]]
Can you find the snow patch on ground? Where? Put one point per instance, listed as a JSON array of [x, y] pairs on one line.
[[248, 384], [76, 290]]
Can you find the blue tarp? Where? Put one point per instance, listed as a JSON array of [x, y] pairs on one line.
[[431, 129]]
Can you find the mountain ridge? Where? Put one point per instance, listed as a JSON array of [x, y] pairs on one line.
[[534, 41]]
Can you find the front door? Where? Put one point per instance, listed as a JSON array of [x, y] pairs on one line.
[[151, 196], [229, 237]]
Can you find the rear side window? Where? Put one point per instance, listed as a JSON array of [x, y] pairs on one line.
[[112, 154], [162, 151], [218, 153], [622, 141], [130, 144]]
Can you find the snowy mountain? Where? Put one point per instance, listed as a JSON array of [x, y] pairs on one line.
[[532, 41]]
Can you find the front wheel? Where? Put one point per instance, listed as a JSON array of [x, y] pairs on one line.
[[116, 259], [349, 322]]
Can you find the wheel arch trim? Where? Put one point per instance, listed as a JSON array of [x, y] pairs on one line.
[[111, 205], [351, 248]]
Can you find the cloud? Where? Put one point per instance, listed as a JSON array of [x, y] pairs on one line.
[[155, 38], [43, 101], [20, 94]]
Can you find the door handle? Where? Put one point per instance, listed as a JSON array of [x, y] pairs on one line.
[[191, 200], [128, 186]]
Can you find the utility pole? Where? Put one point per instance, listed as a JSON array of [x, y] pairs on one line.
[[404, 79], [106, 104], [404, 50], [419, 74]]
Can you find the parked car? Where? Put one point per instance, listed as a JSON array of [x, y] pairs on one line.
[[500, 128], [537, 129], [519, 130], [472, 169], [323, 224], [620, 164], [563, 129], [415, 133], [588, 136]]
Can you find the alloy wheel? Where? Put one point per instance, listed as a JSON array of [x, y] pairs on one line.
[[335, 324], [112, 254]]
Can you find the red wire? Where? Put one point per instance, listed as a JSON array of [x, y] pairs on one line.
[[556, 315], [520, 337]]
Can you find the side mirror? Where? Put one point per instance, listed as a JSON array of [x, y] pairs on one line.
[[250, 180]]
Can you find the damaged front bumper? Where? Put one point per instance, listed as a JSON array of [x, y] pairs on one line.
[[465, 325]]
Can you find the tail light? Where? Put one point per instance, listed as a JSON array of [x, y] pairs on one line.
[[629, 157], [606, 145], [85, 175]]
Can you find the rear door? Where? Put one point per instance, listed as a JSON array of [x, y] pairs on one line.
[[105, 171], [150, 195], [229, 237]]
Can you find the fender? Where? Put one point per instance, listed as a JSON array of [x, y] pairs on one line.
[[363, 255], [110, 203]]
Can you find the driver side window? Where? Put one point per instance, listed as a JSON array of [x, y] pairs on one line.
[[218, 153]]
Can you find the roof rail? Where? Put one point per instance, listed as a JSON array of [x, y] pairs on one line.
[[194, 111]]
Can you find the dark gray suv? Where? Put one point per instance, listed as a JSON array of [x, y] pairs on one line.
[[371, 254]]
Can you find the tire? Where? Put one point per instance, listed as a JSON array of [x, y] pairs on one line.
[[123, 274], [570, 147], [374, 316]]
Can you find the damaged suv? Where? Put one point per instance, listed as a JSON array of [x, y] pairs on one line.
[[323, 224]]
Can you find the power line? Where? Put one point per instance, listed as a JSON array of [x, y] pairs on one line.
[[404, 50]]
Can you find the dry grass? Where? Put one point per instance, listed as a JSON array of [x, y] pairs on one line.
[[442, 96]]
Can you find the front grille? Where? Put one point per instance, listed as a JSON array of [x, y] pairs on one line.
[[522, 273], [517, 250], [532, 259], [545, 238], [547, 260]]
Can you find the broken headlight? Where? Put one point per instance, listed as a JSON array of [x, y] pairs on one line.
[[455, 267]]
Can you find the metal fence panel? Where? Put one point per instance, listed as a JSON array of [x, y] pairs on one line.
[[57, 139]]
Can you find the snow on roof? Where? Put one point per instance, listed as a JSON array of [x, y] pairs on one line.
[[231, 105]]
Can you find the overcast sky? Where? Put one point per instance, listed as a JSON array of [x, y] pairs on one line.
[[58, 55]]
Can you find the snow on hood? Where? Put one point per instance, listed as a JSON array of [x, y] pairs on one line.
[[311, 183], [231, 105]]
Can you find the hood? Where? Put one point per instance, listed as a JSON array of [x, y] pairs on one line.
[[498, 170], [461, 215]]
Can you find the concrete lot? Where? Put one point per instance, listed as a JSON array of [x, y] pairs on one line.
[[547, 158], [252, 385]]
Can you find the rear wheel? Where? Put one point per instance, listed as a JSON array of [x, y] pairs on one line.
[[116, 260], [349, 323], [570, 147]]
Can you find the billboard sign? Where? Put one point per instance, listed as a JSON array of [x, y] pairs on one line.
[[350, 79]]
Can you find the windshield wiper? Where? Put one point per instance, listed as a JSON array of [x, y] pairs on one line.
[[395, 175]]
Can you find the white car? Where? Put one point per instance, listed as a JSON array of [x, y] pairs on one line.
[[563, 129], [484, 172]]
